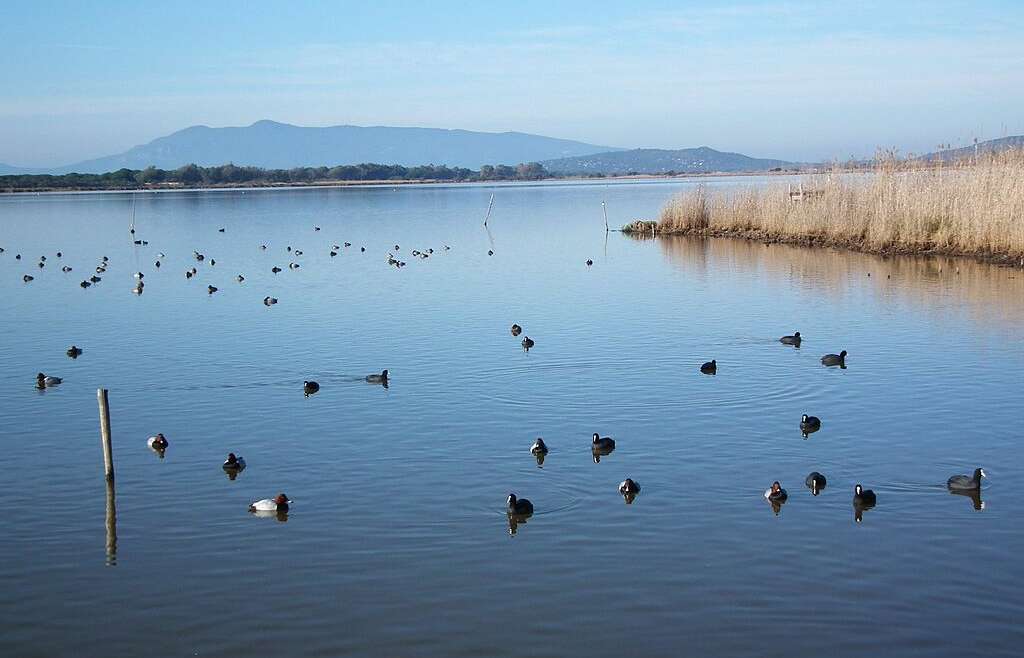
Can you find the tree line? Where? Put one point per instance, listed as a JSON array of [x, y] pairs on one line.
[[192, 175]]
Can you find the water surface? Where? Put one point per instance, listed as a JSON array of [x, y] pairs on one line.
[[397, 543]]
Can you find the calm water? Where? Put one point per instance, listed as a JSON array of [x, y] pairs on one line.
[[397, 543]]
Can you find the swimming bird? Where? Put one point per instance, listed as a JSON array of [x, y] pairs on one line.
[[233, 463], [490, 252], [710, 368], [382, 378], [527, 343], [212, 262], [263, 247], [964, 483], [240, 278], [158, 442], [211, 289], [220, 230], [74, 352], [361, 249], [516, 330], [316, 228], [275, 269], [65, 269], [309, 388], [44, 381], [333, 253], [156, 264], [138, 288], [815, 482], [198, 256], [834, 359], [28, 278], [809, 424], [278, 503], [85, 284], [775, 493], [589, 262], [791, 340], [602, 443], [539, 447], [188, 274], [42, 264], [139, 275], [60, 255], [17, 256], [629, 486], [863, 497], [397, 247], [293, 266], [518, 505], [269, 301]]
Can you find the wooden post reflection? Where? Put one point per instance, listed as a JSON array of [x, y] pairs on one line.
[[111, 525]]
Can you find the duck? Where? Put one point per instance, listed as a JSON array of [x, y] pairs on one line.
[[791, 340], [629, 487], [964, 483], [333, 253], [278, 503], [490, 252], [85, 284], [293, 266], [834, 359], [95, 279], [240, 278], [65, 269], [139, 275], [233, 463], [263, 247], [589, 262], [220, 230], [275, 269], [539, 447], [809, 424], [42, 264], [516, 330], [775, 493], [60, 255], [158, 442], [211, 289], [212, 262], [382, 378], [74, 352], [198, 256], [188, 274], [710, 368], [156, 264], [45, 381], [316, 228], [815, 482], [602, 443], [518, 505], [527, 343], [28, 278], [309, 388], [349, 244], [863, 497], [269, 301], [361, 249]]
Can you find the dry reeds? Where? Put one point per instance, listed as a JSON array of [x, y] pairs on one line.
[[968, 208]]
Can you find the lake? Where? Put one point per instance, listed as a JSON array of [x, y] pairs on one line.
[[397, 542]]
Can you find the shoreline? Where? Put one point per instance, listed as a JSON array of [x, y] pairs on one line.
[[170, 187], [641, 230]]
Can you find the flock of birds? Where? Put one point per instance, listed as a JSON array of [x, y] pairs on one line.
[[518, 509]]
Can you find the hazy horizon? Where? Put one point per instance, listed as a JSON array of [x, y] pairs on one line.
[[766, 79]]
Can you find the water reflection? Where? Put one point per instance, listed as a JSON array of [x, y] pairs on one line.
[[540, 457], [111, 524], [281, 517], [859, 508], [515, 519], [598, 453], [987, 293], [973, 494]]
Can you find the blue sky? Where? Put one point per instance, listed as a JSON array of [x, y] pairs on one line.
[[794, 80]]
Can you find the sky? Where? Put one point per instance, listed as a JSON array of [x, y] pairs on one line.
[[793, 80]]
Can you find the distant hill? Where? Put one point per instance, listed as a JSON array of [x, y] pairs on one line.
[[282, 146], [990, 146], [660, 161], [6, 169]]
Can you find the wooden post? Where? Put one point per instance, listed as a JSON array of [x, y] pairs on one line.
[[108, 455], [605, 211]]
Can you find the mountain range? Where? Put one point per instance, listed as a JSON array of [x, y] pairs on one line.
[[660, 161], [274, 145]]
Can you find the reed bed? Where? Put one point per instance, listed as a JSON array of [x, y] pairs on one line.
[[965, 209]]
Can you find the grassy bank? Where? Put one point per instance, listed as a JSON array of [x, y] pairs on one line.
[[966, 209]]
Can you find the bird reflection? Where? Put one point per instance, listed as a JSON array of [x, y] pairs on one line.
[[859, 509], [514, 520], [776, 504], [630, 496], [159, 451], [281, 517], [973, 494], [540, 456]]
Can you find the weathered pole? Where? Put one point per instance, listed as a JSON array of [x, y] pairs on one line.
[[108, 454]]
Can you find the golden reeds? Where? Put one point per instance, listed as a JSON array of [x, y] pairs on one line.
[[967, 208]]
